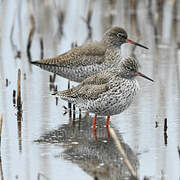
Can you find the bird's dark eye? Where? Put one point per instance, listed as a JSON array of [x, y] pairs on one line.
[[129, 68], [121, 35]]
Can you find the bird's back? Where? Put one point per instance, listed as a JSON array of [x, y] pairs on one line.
[[78, 63]]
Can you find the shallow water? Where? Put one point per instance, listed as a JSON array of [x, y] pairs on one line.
[[69, 150]]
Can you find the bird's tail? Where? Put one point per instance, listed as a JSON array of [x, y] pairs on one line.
[[65, 95], [47, 64]]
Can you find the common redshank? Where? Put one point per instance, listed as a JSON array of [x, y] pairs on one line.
[[107, 93], [81, 62]]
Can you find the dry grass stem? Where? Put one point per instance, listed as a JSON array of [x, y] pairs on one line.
[[1, 120], [121, 150], [42, 48], [32, 30], [178, 148], [42, 175], [19, 89], [111, 14], [88, 20], [17, 54], [61, 14]]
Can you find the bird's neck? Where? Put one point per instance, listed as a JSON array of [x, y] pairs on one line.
[[113, 55]]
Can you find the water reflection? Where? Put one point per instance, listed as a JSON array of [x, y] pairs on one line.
[[99, 158]]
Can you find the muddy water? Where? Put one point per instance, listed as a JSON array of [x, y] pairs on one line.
[[67, 149]]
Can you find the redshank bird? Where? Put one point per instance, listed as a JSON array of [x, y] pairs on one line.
[[81, 62], [108, 92]]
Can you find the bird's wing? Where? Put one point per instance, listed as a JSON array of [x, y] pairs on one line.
[[99, 78], [90, 88], [83, 92], [79, 56]]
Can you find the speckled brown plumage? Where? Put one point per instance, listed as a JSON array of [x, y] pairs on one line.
[[81, 62], [109, 92]]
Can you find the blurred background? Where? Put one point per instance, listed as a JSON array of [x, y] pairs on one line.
[[39, 140]]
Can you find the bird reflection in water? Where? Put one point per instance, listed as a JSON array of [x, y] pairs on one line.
[[99, 158]]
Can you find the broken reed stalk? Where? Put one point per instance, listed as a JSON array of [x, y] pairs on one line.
[[52, 80], [19, 109], [42, 48], [1, 170], [1, 120], [24, 76], [165, 131], [165, 125], [159, 14], [165, 138], [146, 178], [79, 121], [57, 101], [88, 19], [60, 17], [50, 83], [55, 88], [17, 54], [31, 33], [178, 148], [69, 104], [80, 116], [133, 4], [14, 97], [152, 20], [19, 89], [19, 125], [162, 175], [121, 150], [74, 112], [42, 175], [112, 7], [74, 44], [156, 124], [32, 30], [7, 82], [134, 21]]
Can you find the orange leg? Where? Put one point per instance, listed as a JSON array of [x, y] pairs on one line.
[[94, 121], [94, 126], [107, 121], [107, 126]]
